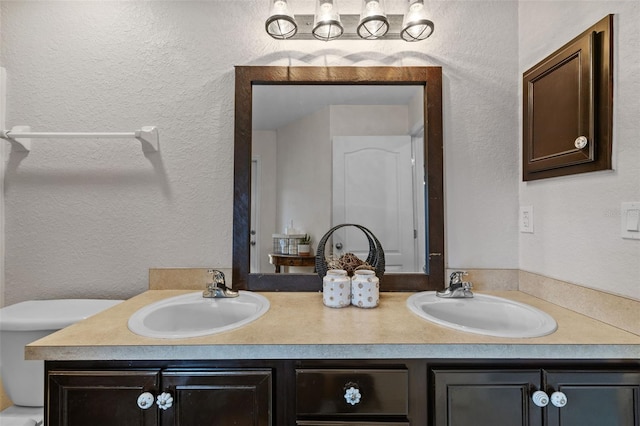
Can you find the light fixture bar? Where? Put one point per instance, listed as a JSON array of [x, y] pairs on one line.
[[350, 24]]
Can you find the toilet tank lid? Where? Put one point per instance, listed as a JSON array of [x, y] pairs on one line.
[[50, 314]]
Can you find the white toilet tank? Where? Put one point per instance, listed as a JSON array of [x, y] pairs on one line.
[[26, 322]]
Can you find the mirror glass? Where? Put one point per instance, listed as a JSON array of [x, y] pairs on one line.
[[330, 145], [323, 155]]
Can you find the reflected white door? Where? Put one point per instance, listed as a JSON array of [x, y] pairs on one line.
[[254, 240], [373, 187]]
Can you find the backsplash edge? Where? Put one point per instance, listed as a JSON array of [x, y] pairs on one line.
[[618, 311]]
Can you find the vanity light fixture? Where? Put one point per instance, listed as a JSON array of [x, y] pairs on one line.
[[416, 26], [373, 20], [281, 24], [326, 24]]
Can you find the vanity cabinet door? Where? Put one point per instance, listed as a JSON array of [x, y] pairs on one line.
[[218, 397], [485, 397], [101, 398], [595, 398]]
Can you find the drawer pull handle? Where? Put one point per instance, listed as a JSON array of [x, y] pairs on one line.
[[164, 401], [145, 400], [352, 394]]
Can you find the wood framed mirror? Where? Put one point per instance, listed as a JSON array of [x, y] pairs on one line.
[[430, 81]]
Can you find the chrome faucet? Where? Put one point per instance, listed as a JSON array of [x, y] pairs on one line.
[[457, 289], [217, 288]]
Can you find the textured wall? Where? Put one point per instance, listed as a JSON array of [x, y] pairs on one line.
[[577, 218], [88, 218], [264, 149], [304, 178], [4, 148]]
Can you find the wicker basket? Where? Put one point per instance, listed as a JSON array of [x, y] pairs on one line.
[[375, 258]]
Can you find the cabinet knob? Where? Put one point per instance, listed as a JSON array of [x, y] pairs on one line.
[[581, 142], [540, 398], [559, 399], [352, 394], [145, 400], [164, 401]]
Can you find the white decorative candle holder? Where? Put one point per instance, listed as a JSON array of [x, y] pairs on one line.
[[336, 289], [365, 289]]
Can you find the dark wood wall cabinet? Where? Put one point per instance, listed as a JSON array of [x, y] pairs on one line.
[[419, 392], [568, 107]]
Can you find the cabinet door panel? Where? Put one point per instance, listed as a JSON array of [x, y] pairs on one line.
[[100, 398], [485, 398], [595, 398], [241, 398], [558, 109]]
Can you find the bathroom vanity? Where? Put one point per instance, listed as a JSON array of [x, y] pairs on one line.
[[305, 364], [319, 392]]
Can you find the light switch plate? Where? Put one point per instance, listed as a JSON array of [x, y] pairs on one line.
[[630, 220], [526, 219]]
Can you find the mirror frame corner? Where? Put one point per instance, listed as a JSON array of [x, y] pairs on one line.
[[247, 76]]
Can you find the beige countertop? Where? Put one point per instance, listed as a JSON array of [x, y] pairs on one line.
[[299, 326]]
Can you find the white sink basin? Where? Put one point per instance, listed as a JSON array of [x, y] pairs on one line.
[[191, 315], [483, 314]]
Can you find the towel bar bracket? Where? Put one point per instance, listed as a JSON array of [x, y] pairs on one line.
[[18, 144]]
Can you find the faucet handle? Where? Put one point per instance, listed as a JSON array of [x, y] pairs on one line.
[[217, 277], [456, 277]]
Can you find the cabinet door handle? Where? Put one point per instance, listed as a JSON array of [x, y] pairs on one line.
[[540, 398], [164, 400], [352, 394], [145, 400], [559, 399], [581, 142]]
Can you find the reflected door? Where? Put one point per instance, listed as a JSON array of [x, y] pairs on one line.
[[373, 187], [254, 237]]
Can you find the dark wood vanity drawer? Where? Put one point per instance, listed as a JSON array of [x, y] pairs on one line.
[[321, 392], [359, 423]]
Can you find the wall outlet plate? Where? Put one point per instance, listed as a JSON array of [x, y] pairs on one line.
[[526, 219]]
